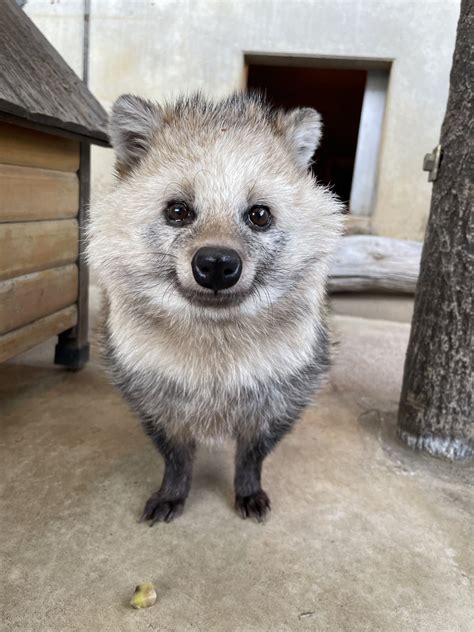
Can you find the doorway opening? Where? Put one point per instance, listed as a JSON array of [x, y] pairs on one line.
[[351, 101]]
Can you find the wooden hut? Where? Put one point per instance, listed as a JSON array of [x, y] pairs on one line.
[[48, 119]]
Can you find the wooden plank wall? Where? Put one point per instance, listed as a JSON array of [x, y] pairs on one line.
[[26, 298], [39, 203], [23, 338], [29, 246], [37, 194]]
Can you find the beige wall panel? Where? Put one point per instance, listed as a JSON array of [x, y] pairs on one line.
[[32, 296], [33, 246], [24, 338]]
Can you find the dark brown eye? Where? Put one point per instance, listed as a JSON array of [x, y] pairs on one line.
[[179, 213], [259, 217]]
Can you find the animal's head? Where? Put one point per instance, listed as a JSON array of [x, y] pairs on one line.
[[215, 211]]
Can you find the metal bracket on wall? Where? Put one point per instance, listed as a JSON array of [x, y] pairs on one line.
[[432, 161]]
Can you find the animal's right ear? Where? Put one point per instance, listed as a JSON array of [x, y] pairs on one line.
[[133, 123]]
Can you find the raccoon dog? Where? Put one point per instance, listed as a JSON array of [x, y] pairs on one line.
[[212, 251]]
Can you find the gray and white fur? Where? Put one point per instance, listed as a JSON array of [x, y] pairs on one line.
[[200, 361]]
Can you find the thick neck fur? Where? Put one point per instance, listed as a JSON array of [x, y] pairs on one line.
[[232, 352]]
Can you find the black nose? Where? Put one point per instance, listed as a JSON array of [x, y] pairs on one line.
[[216, 268]]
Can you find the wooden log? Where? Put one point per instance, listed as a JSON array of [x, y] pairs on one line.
[[34, 246], [32, 296], [29, 148], [24, 338], [34, 194], [376, 264]]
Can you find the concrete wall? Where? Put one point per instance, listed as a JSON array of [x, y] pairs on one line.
[[162, 47]]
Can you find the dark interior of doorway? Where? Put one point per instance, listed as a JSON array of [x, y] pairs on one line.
[[337, 94]]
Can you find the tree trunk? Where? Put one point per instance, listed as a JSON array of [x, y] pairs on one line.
[[435, 411]]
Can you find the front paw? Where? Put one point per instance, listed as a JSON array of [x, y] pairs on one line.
[[256, 505], [159, 508]]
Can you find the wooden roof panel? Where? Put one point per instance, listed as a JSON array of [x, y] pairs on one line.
[[37, 85]]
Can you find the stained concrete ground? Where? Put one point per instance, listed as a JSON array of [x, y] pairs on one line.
[[364, 535]]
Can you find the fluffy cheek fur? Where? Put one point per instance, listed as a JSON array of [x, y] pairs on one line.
[[311, 222], [116, 246]]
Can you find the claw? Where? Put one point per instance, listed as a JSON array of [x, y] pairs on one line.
[[161, 509], [255, 505]]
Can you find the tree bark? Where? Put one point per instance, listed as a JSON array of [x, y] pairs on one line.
[[435, 412]]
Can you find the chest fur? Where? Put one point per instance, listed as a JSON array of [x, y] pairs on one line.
[[212, 384]]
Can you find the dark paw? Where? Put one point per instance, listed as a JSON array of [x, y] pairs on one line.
[[158, 508], [256, 505]]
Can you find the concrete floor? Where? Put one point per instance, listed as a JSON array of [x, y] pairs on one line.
[[364, 535]]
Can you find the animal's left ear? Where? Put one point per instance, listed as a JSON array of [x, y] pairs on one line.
[[303, 129]]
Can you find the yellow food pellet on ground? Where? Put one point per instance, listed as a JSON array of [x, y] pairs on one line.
[[144, 596]]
